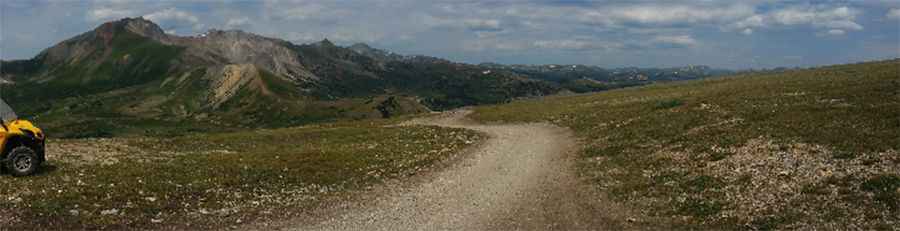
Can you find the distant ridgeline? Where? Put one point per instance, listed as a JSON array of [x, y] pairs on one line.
[[128, 76], [582, 78]]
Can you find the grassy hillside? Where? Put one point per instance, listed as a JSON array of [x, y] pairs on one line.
[[813, 148], [127, 60], [179, 105], [218, 180]]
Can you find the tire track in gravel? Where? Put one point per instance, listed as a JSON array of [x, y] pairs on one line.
[[522, 177]]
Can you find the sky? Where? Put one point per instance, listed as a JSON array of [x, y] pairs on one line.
[[735, 34]]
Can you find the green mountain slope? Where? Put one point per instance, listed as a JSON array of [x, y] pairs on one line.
[[807, 149], [95, 64]]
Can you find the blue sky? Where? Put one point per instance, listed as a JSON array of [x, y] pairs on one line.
[[720, 33]]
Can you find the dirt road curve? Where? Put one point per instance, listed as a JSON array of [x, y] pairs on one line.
[[520, 178]]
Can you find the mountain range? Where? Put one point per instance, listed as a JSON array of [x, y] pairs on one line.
[[129, 76]]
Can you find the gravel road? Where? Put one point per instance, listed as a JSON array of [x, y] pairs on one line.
[[521, 178]]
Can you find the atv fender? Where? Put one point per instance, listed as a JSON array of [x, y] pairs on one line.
[[38, 145]]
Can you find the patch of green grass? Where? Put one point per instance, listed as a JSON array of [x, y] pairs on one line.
[[700, 207], [702, 183], [211, 181], [885, 189], [768, 223], [844, 155], [667, 104]]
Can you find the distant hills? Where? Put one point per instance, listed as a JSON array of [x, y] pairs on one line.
[[583, 78], [129, 76]]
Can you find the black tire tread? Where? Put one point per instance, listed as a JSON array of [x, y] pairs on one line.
[[22, 150]]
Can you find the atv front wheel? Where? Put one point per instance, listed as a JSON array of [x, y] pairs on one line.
[[22, 161]]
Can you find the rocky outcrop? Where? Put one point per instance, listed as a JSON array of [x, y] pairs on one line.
[[228, 80], [232, 46], [145, 28]]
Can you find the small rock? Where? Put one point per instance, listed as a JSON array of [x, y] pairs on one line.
[[74, 212], [150, 199], [631, 219], [156, 220], [109, 212]]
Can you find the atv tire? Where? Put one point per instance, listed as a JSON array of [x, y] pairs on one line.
[[22, 161]]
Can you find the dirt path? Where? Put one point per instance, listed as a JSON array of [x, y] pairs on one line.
[[520, 178]]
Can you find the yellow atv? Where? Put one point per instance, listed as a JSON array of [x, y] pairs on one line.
[[22, 143]]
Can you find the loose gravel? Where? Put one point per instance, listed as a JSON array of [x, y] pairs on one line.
[[522, 177]]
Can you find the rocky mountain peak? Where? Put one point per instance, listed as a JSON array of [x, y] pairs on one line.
[[377, 54], [326, 43], [362, 48], [139, 26], [143, 27], [227, 33]]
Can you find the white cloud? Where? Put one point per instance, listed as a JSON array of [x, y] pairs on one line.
[[303, 10], [664, 14], [793, 16], [675, 41], [300, 12], [237, 22], [844, 24], [493, 44], [173, 15], [750, 22], [742, 17], [482, 24], [893, 13], [173, 19], [462, 22], [563, 44], [836, 32], [820, 17], [105, 14], [198, 27], [117, 2]]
